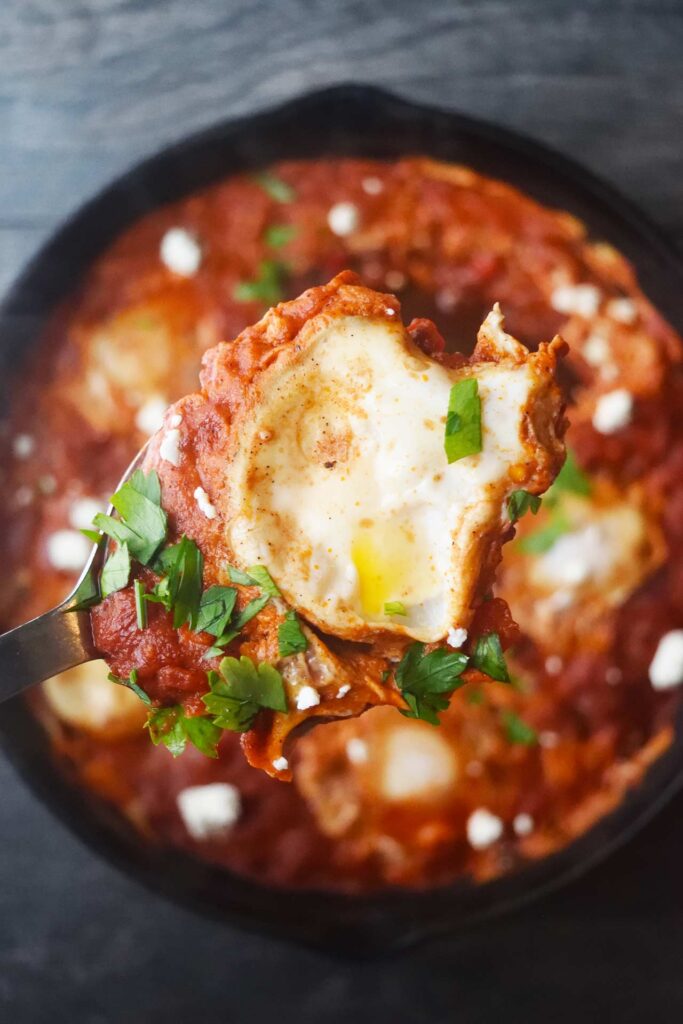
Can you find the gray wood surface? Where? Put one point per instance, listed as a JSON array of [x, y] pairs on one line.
[[87, 87]]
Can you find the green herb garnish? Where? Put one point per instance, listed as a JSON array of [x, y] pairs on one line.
[[247, 613], [427, 680], [116, 571], [394, 608], [172, 727], [181, 590], [131, 683], [520, 502], [262, 578], [140, 604], [571, 478], [266, 287], [142, 525], [241, 690], [87, 594], [291, 638], [278, 235], [215, 609], [517, 730], [463, 422], [542, 540], [488, 657], [275, 187]]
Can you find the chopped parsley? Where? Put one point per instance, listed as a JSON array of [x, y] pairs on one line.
[[116, 571], [266, 287], [172, 727], [140, 604], [520, 502], [241, 690], [131, 683], [143, 523], [488, 657], [278, 235], [180, 590], [275, 187], [262, 578], [542, 540], [247, 613], [463, 421], [215, 610], [87, 594], [394, 608], [291, 638], [517, 730], [571, 478], [426, 681]]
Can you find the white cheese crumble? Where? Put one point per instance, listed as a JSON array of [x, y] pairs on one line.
[[343, 690], [150, 416], [307, 697], [23, 496], [169, 449], [582, 299], [175, 420], [553, 665], [523, 824], [577, 557], [613, 411], [623, 310], [357, 750], [83, 511], [22, 446], [205, 506], [372, 186], [417, 764], [596, 350], [180, 252], [666, 668], [209, 810], [456, 637], [68, 550], [280, 764], [548, 739], [343, 219], [483, 829]]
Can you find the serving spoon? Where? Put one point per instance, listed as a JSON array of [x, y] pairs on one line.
[[59, 639]]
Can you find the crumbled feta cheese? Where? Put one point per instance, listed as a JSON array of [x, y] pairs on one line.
[[210, 810], [180, 252], [175, 420], [666, 668], [456, 637], [417, 764], [577, 557], [357, 750], [83, 511], [307, 697], [623, 310], [281, 764], [22, 446], [523, 824], [47, 484], [150, 416], [389, 311], [548, 739], [613, 411], [343, 219], [483, 828], [68, 550], [553, 665], [205, 506], [395, 280], [596, 350], [169, 449], [446, 300], [372, 186], [343, 690], [23, 496], [582, 299]]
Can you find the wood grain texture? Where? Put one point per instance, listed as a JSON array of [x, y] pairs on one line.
[[87, 87]]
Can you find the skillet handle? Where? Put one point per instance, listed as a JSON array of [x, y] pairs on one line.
[[43, 647]]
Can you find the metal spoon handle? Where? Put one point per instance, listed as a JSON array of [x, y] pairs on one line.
[[43, 647]]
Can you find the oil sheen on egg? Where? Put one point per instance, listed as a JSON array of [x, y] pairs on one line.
[[342, 487]]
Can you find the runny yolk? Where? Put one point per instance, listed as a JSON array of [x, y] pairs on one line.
[[390, 567]]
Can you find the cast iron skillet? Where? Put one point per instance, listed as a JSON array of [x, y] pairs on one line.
[[346, 120]]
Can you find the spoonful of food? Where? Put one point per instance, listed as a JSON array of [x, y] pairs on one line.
[[314, 532]]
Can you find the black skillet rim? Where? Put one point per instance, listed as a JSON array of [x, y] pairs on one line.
[[353, 120]]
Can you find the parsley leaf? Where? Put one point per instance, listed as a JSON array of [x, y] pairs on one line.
[[517, 730], [184, 564], [542, 540], [215, 608], [394, 608], [260, 575], [278, 235], [241, 690], [488, 657], [142, 525], [247, 613], [266, 287], [140, 604], [520, 502], [116, 571], [291, 638], [87, 594], [237, 576], [463, 422], [172, 727], [427, 680], [132, 684], [570, 478], [275, 187]]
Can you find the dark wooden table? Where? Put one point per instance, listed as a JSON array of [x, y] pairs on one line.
[[87, 87]]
